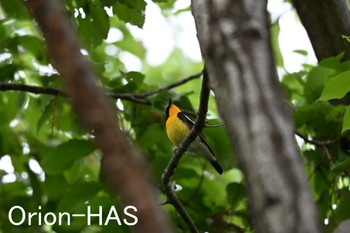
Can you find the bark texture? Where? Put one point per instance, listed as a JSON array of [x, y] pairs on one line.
[[121, 164], [325, 22], [235, 42]]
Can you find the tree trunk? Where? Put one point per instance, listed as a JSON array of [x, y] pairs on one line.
[[121, 164], [326, 21], [235, 42]]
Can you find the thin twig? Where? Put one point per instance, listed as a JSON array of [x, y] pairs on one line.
[[214, 126], [319, 142], [174, 161], [328, 153], [129, 97], [171, 86], [324, 144]]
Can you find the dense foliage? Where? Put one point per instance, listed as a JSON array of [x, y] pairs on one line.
[[55, 165]]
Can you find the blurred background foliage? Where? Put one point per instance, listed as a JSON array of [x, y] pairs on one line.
[[47, 159]]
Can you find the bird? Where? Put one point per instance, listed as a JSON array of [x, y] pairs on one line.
[[178, 125]]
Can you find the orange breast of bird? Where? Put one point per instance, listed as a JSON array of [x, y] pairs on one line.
[[175, 128]]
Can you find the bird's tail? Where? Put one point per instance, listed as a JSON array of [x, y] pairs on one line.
[[201, 148], [216, 165]]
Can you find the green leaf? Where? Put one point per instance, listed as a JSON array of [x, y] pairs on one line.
[[336, 87], [316, 80], [60, 158], [321, 118], [184, 173], [55, 186], [129, 15], [94, 27], [275, 30], [133, 81], [45, 114], [161, 1], [7, 71], [35, 46], [78, 195], [3, 34], [341, 167], [35, 185], [335, 63], [323, 204], [235, 193], [301, 52], [319, 183], [100, 19], [139, 5], [346, 121], [135, 77], [213, 199], [14, 8], [293, 85], [342, 211], [108, 2]]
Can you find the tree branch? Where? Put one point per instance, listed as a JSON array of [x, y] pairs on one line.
[[235, 42], [121, 164], [334, 21], [137, 98], [31, 89], [175, 159]]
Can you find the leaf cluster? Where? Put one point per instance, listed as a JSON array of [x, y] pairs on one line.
[[318, 98]]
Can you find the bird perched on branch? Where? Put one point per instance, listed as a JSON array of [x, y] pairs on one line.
[[178, 125]]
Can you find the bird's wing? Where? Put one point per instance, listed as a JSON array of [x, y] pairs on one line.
[[189, 123], [185, 119], [202, 138]]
